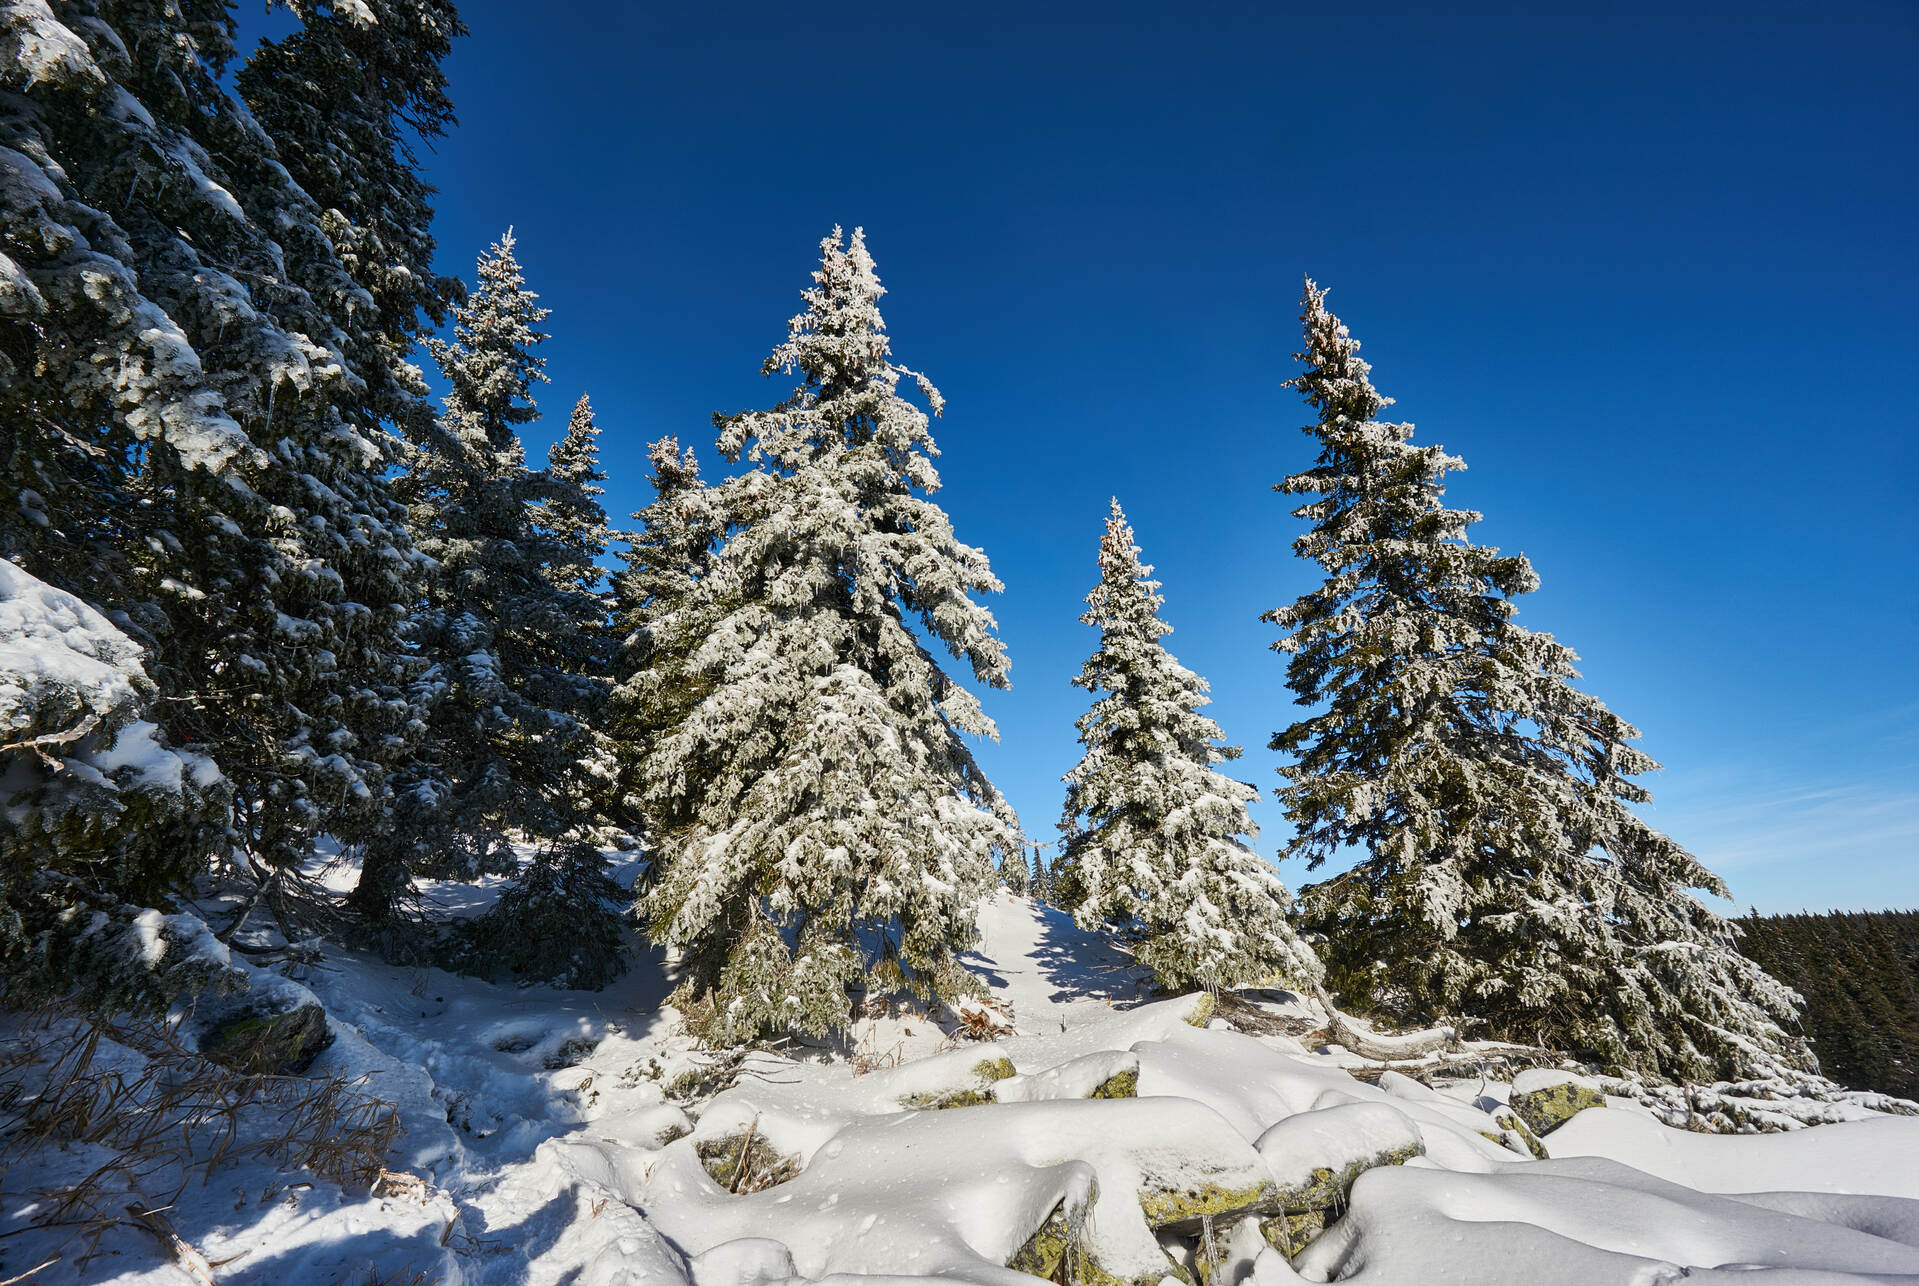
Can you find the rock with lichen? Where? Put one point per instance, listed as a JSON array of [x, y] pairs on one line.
[[1546, 1100], [1107, 1073], [1314, 1157]]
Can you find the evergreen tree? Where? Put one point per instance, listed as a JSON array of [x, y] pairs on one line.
[[819, 823], [345, 96], [503, 748], [1151, 829], [572, 524], [1042, 879], [104, 821], [178, 439], [1014, 874], [1503, 875], [665, 562], [572, 517]]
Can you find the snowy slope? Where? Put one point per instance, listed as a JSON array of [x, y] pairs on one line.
[[551, 1132]]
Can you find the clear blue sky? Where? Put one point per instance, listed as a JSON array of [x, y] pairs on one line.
[[1650, 270]]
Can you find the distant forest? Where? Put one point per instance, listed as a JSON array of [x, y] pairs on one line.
[[1859, 973]]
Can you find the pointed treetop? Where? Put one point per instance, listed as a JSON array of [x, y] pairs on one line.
[[1337, 381], [674, 470]]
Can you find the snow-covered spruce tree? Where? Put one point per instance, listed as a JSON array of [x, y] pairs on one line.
[[345, 96], [502, 751], [571, 523], [1503, 874], [1014, 873], [819, 823], [176, 445], [104, 821], [1042, 882], [1151, 829], [665, 562]]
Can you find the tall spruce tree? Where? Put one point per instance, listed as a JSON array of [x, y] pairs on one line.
[[571, 523], [180, 444], [818, 820], [1503, 875], [502, 747], [665, 563], [1151, 829]]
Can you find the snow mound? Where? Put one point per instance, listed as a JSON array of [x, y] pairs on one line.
[[575, 1137]]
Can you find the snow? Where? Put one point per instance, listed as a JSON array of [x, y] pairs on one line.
[[553, 1145], [1880, 1155]]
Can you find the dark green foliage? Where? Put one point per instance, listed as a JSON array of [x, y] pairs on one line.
[[563, 922], [1859, 973]]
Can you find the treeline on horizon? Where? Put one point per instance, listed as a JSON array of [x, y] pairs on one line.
[[1859, 974], [259, 591]]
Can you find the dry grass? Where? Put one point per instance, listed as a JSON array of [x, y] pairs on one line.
[[168, 1115]]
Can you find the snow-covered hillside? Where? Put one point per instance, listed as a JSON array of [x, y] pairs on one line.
[[1094, 1135]]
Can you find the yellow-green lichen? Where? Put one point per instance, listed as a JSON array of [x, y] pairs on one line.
[[1123, 1085], [987, 1070], [1291, 1233], [945, 1099], [1512, 1122], [1203, 1006], [1175, 1208], [1545, 1110], [1046, 1248], [1327, 1187]]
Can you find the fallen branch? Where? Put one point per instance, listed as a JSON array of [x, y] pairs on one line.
[[1378, 1046]]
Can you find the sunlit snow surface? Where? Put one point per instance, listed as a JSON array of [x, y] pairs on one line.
[[541, 1123]]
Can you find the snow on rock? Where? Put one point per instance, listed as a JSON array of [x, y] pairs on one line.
[[1576, 1223], [1110, 1073], [1314, 1157], [1879, 1157]]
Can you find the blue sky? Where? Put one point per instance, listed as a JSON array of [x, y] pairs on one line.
[[1649, 270]]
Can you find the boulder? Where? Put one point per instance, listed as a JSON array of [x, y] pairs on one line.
[[274, 1034], [1315, 1156], [1546, 1100]]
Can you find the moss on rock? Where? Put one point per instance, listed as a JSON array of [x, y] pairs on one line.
[[987, 1071], [258, 1041], [1203, 1008], [1122, 1085], [1514, 1123]]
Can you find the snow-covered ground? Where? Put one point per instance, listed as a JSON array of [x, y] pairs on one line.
[[575, 1137]]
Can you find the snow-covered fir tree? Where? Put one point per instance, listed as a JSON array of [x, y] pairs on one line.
[[571, 523], [1014, 873], [345, 96], [104, 821], [503, 749], [665, 562], [572, 517], [1042, 881], [179, 444], [1504, 875], [1152, 830], [817, 818]]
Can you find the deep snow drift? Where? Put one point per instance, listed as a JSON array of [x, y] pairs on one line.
[[574, 1137]]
